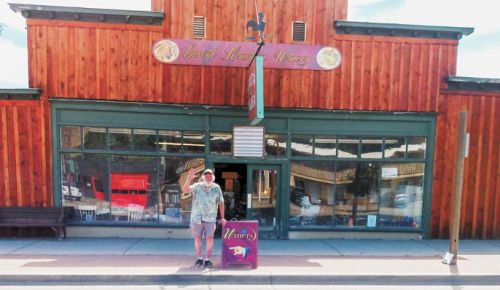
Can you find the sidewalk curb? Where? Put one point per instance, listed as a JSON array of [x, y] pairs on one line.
[[190, 279]]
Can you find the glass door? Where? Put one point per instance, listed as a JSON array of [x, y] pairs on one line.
[[262, 191]]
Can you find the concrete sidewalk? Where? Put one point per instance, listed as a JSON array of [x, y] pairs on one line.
[[78, 260]]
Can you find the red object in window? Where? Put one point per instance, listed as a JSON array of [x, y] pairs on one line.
[[97, 188], [126, 188], [129, 188]]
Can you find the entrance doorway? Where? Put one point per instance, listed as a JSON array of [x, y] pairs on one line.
[[251, 193], [232, 179]]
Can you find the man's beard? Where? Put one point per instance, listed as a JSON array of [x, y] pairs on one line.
[[208, 183]]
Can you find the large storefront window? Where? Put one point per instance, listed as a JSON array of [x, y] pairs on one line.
[[336, 182], [128, 188], [311, 193], [385, 191]]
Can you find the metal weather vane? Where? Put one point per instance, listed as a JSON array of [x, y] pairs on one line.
[[257, 26]]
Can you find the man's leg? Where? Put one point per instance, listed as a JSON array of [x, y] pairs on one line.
[[210, 245], [197, 245], [196, 231], [209, 229]]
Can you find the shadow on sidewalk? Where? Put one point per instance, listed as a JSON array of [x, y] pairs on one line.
[[185, 264]]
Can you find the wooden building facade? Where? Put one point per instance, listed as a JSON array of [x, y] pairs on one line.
[[95, 66]]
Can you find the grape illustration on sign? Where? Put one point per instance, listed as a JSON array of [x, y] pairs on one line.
[[166, 51], [328, 58]]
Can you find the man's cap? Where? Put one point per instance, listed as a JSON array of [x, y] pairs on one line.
[[208, 171]]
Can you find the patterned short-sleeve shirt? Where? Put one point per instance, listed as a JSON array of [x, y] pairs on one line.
[[205, 204]]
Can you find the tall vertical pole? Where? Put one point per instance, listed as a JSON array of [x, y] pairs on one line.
[[451, 257], [261, 33]]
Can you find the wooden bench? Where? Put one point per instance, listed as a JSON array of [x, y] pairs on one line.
[[27, 217]]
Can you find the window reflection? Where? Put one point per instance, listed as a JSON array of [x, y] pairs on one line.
[[416, 147], [84, 186], [348, 147], [275, 144], [175, 206], [394, 147], [120, 139], [302, 145], [134, 194], [371, 147], [221, 143], [325, 145], [264, 198], [356, 196], [145, 140], [378, 195], [401, 195], [311, 193], [170, 141], [70, 137], [94, 138], [194, 142]]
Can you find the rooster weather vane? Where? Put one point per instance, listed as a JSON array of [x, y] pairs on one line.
[[258, 26]]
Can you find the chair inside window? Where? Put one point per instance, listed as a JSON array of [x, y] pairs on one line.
[[87, 212], [307, 208], [135, 212]]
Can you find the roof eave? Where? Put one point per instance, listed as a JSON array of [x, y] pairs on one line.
[[20, 94], [473, 84], [88, 14], [400, 30]]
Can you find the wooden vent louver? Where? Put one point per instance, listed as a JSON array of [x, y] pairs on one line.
[[299, 31], [199, 29]]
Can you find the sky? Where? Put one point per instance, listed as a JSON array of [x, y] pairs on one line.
[[478, 53]]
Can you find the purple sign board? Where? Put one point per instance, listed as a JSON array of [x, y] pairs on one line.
[[239, 243], [240, 54]]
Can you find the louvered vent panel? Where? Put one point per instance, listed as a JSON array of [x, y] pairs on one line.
[[248, 141], [299, 31], [199, 30]]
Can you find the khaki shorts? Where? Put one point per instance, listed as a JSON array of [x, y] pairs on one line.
[[205, 229]]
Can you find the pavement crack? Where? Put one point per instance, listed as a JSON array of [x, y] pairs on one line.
[[25, 246], [131, 246], [332, 247]]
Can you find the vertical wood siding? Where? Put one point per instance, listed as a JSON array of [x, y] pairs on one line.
[[114, 62], [88, 61], [480, 213], [25, 154]]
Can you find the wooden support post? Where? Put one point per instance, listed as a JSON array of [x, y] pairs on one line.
[[450, 257]]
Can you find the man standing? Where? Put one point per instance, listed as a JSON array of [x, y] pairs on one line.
[[207, 197]]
